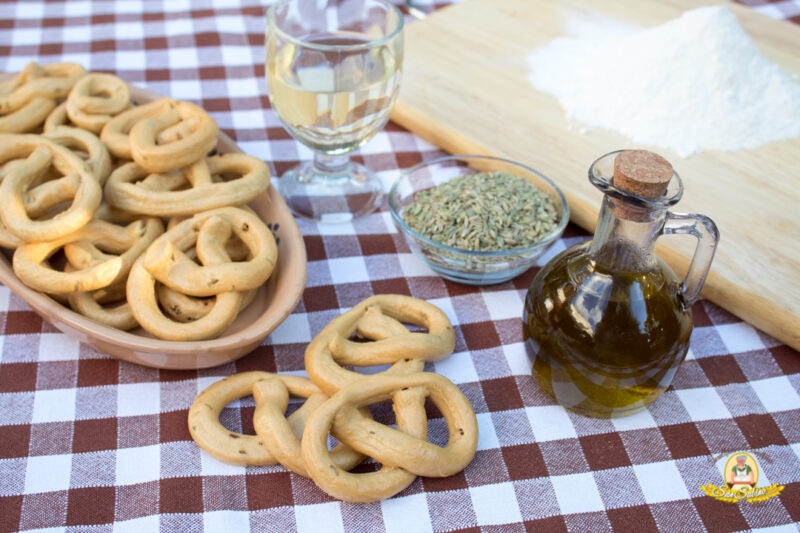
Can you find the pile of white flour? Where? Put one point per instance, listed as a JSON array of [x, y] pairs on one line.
[[695, 83]]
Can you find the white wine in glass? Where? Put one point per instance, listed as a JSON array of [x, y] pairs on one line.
[[333, 73]]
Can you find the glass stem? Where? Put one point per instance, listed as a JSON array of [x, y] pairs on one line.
[[331, 165]]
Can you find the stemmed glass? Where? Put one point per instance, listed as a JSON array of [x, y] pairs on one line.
[[333, 72]]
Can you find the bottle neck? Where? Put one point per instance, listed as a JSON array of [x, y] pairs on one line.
[[625, 237]]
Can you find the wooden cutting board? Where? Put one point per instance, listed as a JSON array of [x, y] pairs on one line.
[[466, 89]]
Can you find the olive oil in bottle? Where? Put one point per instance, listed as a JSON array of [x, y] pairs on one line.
[[606, 322]]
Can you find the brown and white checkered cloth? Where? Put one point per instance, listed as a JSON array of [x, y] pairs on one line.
[[90, 443]]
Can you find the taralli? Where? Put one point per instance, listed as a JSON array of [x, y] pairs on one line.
[[116, 132], [39, 154], [195, 135], [95, 99], [166, 261], [117, 315], [210, 239], [394, 447], [28, 98], [28, 117], [241, 449], [51, 81], [331, 348], [56, 118], [183, 308], [404, 453], [62, 131], [99, 160], [281, 435], [132, 189], [109, 252]]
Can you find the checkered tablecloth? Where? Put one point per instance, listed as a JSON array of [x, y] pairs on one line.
[[90, 443]]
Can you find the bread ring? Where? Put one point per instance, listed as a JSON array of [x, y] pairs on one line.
[[166, 261], [395, 447], [281, 436], [210, 247], [99, 160], [116, 132], [331, 348], [183, 308], [28, 117], [125, 190], [41, 153], [95, 99], [98, 269], [117, 316], [52, 81], [56, 118], [198, 138], [238, 448]]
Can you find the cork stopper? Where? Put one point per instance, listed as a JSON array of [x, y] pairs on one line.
[[642, 173]]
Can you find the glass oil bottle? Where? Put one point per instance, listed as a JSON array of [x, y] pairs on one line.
[[607, 322]]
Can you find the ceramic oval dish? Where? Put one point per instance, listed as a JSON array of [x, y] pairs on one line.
[[274, 301]]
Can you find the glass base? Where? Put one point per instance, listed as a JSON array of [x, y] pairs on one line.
[[331, 196]]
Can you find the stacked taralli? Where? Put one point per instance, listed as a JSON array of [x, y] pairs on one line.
[[70, 139], [337, 403]]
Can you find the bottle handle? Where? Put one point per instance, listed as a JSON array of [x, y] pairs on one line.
[[704, 229]]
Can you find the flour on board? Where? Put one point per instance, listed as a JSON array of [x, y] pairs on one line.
[[693, 84]]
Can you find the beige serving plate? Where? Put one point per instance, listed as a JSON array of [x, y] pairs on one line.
[[274, 301]]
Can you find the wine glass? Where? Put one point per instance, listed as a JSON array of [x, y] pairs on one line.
[[333, 73]]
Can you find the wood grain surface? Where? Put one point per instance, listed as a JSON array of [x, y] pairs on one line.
[[466, 89]]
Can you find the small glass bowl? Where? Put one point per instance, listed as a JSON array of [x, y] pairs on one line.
[[457, 264]]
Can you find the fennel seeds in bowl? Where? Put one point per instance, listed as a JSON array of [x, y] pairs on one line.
[[485, 211]]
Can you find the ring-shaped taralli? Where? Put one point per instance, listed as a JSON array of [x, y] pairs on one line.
[[57, 118], [28, 117], [39, 153], [116, 132], [116, 314], [183, 308], [95, 99], [51, 81], [336, 416], [196, 139], [99, 159], [125, 244], [229, 446], [169, 264], [281, 436], [141, 289], [331, 349], [123, 189]]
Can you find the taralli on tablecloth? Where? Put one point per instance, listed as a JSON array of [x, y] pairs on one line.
[[237, 448], [343, 413], [395, 448], [332, 347]]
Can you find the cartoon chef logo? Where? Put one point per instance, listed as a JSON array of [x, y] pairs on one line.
[[741, 481], [741, 471]]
